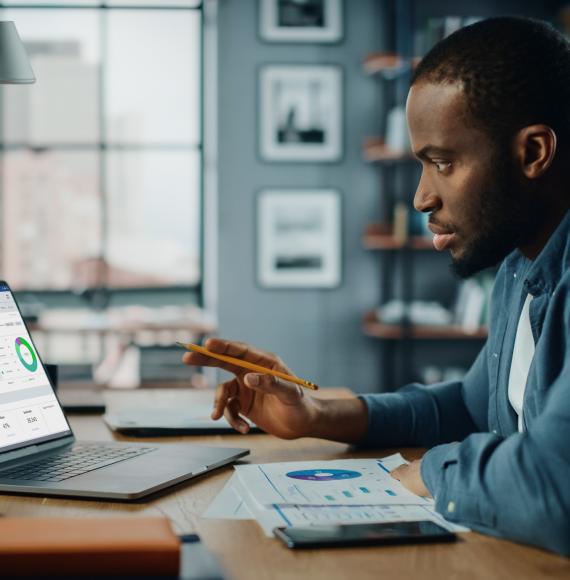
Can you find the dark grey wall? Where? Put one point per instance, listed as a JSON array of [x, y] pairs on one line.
[[317, 332]]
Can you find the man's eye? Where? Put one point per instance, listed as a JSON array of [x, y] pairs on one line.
[[442, 166]]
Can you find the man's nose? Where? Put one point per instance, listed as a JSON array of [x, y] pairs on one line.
[[425, 198]]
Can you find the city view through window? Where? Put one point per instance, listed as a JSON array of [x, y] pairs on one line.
[[101, 184], [101, 158]]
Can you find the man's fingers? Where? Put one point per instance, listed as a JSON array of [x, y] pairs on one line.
[[399, 471], [200, 360], [239, 350], [227, 403], [246, 352], [223, 393], [288, 393], [231, 413]]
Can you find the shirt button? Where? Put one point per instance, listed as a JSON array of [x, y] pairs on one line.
[[495, 355], [495, 431], [515, 275], [451, 507]]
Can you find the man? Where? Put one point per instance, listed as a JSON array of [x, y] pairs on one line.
[[489, 119]]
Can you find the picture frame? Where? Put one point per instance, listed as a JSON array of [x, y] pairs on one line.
[[299, 238], [301, 113], [318, 21]]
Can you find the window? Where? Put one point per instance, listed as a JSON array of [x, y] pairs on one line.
[[101, 159]]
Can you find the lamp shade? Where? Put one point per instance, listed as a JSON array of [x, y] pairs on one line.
[[15, 67]]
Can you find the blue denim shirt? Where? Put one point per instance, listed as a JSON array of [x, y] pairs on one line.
[[481, 471]]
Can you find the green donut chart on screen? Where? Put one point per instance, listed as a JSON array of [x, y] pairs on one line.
[[26, 354]]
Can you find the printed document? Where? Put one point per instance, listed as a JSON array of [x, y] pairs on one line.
[[337, 482], [239, 500], [228, 504]]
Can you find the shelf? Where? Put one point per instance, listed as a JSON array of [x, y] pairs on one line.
[[374, 328], [381, 61], [376, 150], [389, 63], [381, 237]]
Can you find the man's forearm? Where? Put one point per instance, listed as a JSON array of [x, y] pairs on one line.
[[344, 420]]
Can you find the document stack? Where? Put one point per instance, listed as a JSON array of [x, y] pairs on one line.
[[305, 493]]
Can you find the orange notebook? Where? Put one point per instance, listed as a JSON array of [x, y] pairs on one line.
[[95, 546]]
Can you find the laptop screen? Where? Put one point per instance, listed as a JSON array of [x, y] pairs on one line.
[[29, 409]]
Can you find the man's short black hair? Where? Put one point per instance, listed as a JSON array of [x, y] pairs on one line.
[[514, 71]]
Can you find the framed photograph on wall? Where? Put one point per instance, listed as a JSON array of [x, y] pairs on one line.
[[300, 20], [299, 238], [301, 113]]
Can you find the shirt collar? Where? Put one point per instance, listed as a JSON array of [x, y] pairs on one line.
[[547, 269]]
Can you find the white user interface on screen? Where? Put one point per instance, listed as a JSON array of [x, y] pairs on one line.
[[29, 409]]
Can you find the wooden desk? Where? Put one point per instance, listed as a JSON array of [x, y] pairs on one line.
[[243, 549]]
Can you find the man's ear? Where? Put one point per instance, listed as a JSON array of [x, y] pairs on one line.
[[534, 148]]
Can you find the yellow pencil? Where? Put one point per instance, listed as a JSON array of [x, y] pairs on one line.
[[247, 365]]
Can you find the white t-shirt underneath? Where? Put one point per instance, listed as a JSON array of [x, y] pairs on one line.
[[523, 354]]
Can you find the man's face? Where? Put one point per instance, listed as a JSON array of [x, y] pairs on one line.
[[479, 208]]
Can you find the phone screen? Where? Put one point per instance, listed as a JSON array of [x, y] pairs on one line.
[[364, 534]]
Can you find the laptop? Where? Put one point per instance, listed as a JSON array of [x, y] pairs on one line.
[[39, 454], [149, 422]]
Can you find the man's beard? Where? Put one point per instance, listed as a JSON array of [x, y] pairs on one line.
[[506, 217]]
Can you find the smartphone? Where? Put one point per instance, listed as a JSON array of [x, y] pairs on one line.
[[364, 534]]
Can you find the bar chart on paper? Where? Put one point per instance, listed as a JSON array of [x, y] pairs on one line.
[[342, 482]]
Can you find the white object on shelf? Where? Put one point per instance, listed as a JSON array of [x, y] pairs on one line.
[[418, 312], [397, 136]]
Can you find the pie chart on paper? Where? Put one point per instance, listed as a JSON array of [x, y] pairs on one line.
[[323, 474]]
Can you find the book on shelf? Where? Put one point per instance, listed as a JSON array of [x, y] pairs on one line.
[[401, 222]]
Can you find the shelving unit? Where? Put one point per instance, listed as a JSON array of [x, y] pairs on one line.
[[376, 150], [388, 64], [401, 251], [381, 237], [374, 328]]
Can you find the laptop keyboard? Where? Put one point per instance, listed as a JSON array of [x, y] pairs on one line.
[[76, 461]]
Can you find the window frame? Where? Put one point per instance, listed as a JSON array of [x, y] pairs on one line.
[[194, 291]]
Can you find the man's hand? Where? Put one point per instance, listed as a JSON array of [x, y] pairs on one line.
[[409, 476], [276, 406]]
